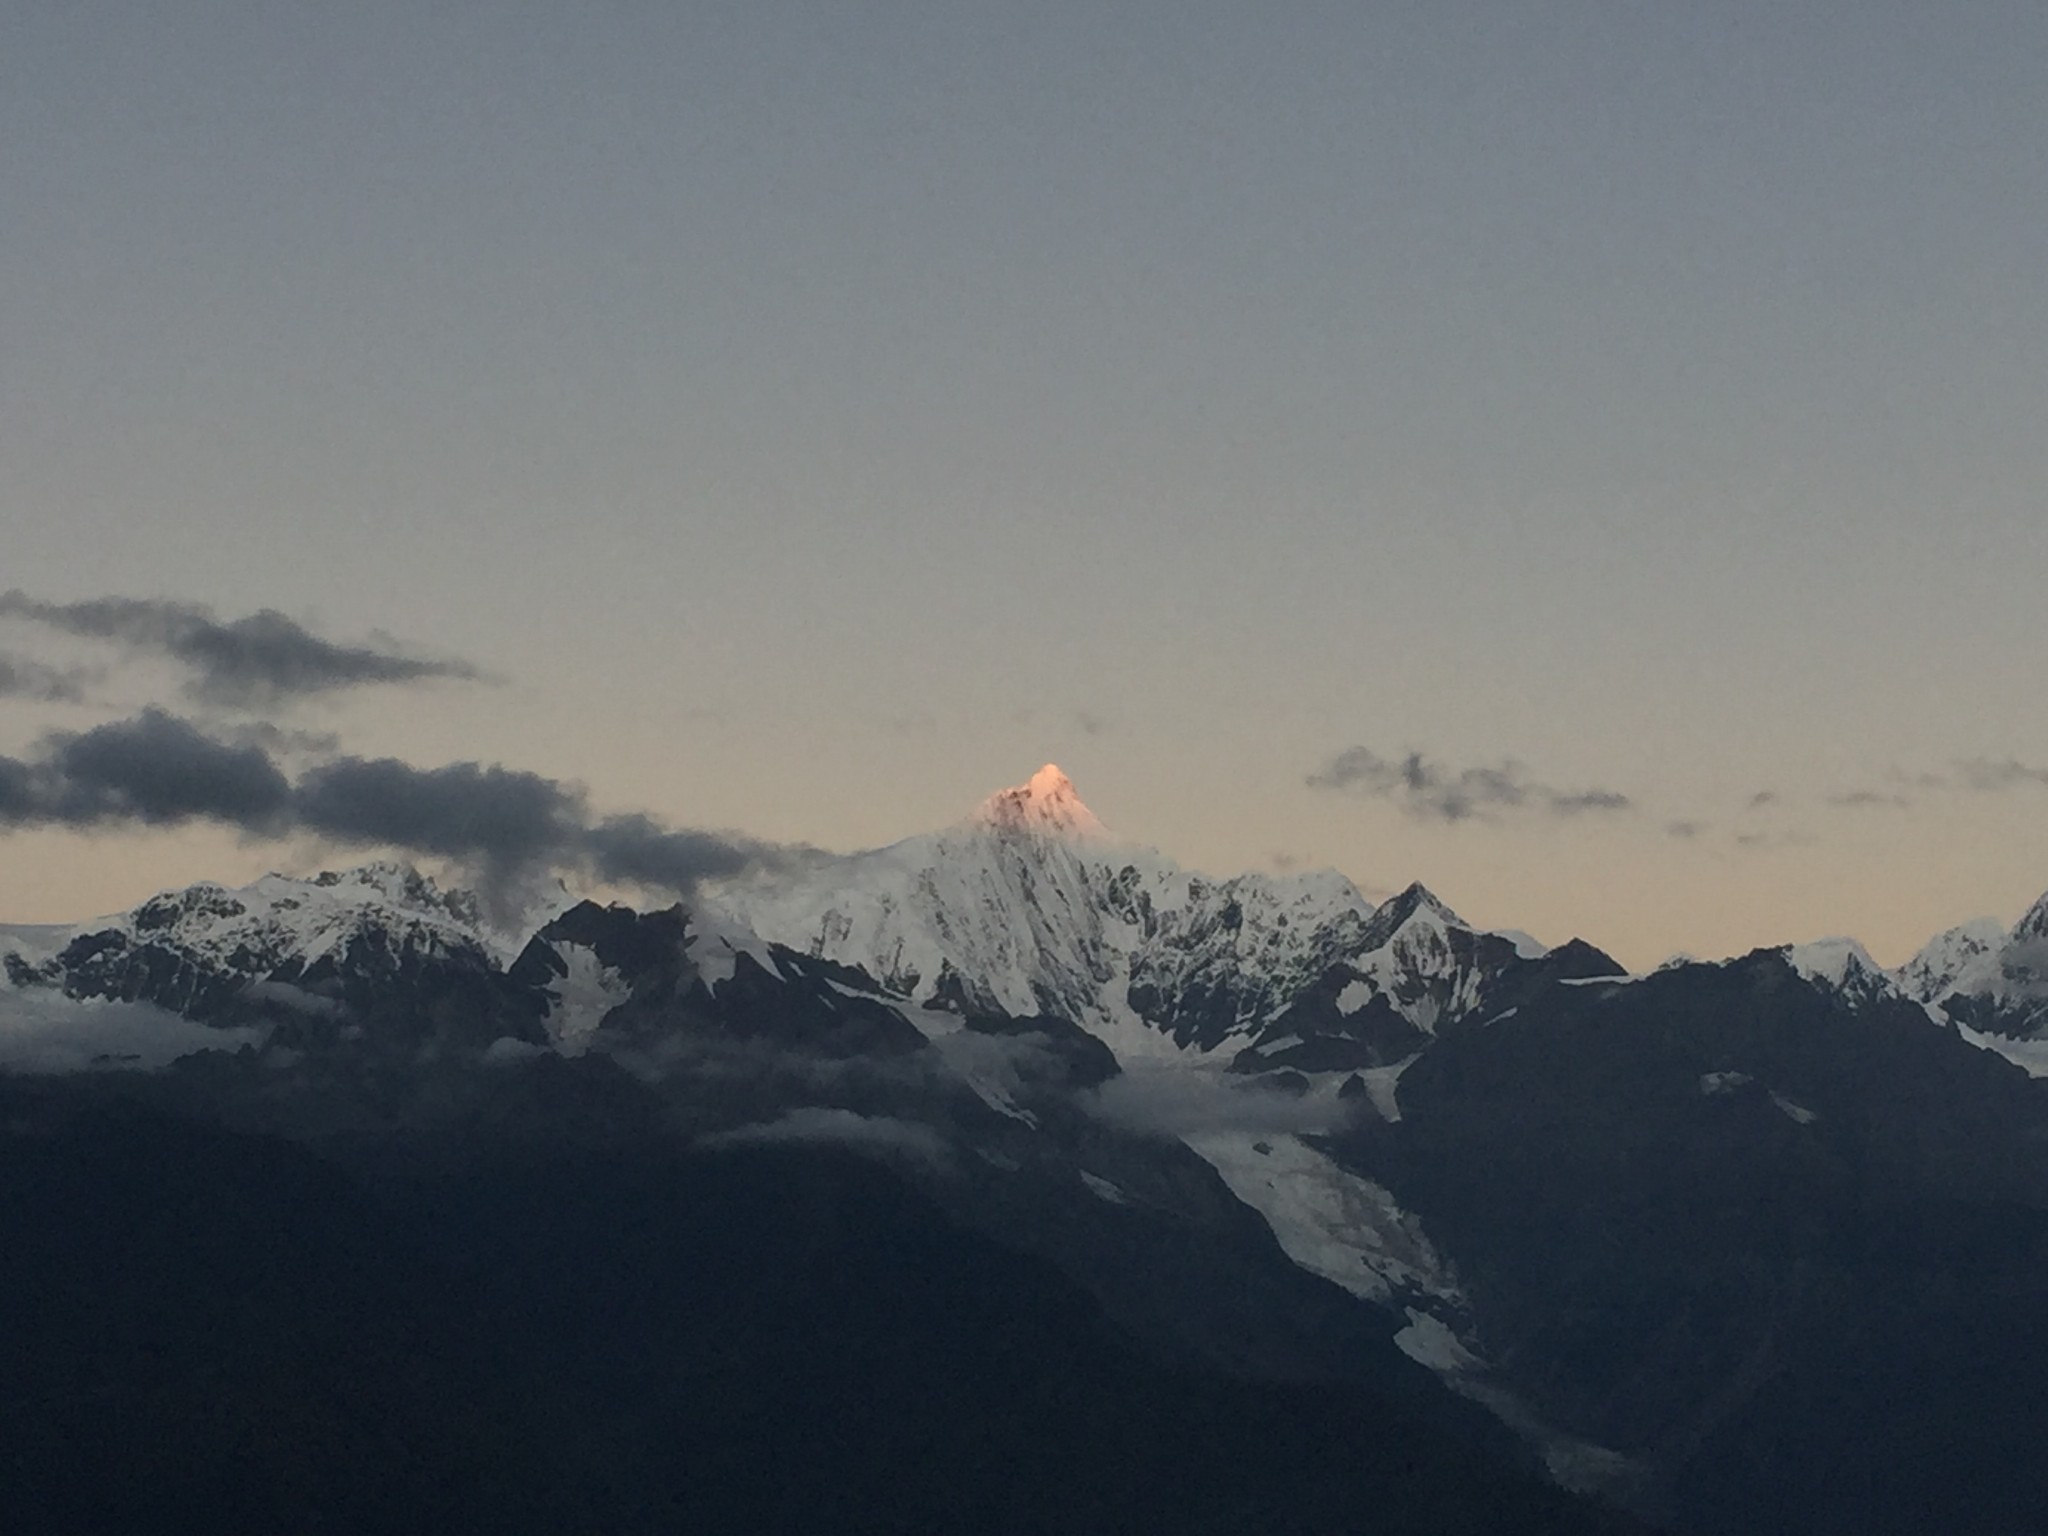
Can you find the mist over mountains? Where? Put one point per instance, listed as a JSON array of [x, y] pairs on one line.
[[1041, 1182]]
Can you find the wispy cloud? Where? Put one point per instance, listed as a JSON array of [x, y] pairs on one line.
[[23, 678], [1870, 799], [815, 1125], [1431, 791], [1776, 839], [1977, 775], [265, 658], [1992, 775]]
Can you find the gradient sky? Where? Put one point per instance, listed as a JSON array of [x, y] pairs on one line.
[[814, 417]]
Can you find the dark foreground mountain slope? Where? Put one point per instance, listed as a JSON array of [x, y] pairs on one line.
[[1789, 1253], [233, 1334]]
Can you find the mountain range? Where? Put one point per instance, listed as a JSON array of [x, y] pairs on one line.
[[1735, 1246]]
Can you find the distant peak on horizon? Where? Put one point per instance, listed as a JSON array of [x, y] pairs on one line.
[[1045, 803]]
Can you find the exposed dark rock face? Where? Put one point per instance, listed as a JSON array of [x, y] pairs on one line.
[[1789, 1252], [233, 1334]]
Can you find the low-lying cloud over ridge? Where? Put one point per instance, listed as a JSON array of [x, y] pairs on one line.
[[1430, 791], [815, 1125], [43, 1031], [1170, 1103], [263, 658], [158, 769]]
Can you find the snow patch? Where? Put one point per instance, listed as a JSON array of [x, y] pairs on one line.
[[506, 1051], [1798, 1113], [1429, 1341], [579, 1000], [1380, 1083], [1355, 996], [1104, 1190]]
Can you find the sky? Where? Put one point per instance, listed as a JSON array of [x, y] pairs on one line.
[[1587, 457]]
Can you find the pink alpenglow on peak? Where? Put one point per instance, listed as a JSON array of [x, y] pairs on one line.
[[1046, 804]]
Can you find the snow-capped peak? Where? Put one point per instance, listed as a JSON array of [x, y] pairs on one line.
[[1417, 905], [2034, 925], [279, 914], [1949, 957], [400, 884], [1046, 803], [1834, 961]]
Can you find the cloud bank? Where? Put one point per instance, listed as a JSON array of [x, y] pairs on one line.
[[41, 1030], [159, 770]]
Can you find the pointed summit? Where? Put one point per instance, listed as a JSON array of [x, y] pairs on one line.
[[1417, 901], [2035, 924], [1046, 803]]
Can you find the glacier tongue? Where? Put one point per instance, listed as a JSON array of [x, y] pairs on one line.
[[1330, 1221]]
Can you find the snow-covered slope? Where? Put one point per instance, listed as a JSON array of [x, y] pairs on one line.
[[190, 950], [1992, 983], [1842, 966], [1029, 906], [1932, 974]]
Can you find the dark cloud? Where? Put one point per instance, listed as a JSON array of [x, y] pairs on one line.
[[1430, 791], [155, 769], [275, 738], [21, 678], [1685, 831], [1762, 799], [159, 770], [465, 810], [635, 850], [264, 658], [17, 791]]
